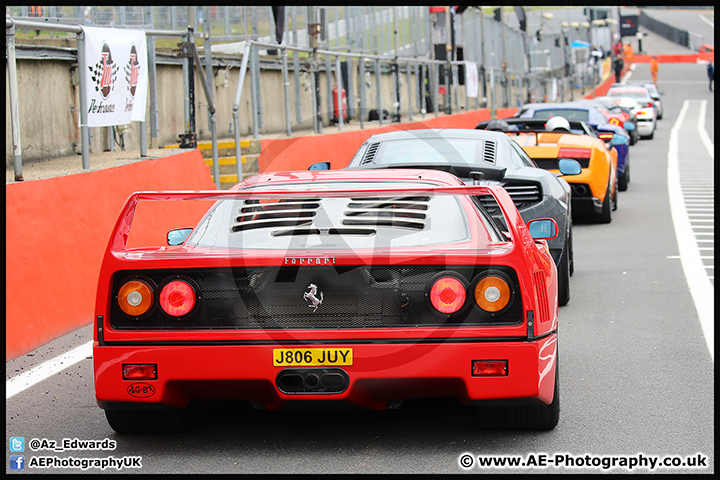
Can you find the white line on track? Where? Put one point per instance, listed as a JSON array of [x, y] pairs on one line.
[[703, 133], [700, 288], [707, 20], [45, 370]]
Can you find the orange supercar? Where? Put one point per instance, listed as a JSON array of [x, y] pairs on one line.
[[594, 190]]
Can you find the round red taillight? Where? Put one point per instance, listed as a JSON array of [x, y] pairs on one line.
[[177, 298], [135, 298], [447, 295]]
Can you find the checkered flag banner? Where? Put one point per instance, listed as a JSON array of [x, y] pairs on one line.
[[116, 75]]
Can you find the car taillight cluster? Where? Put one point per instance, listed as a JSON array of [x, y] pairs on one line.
[[447, 295], [491, 292], [574, 153], [177, 297], [135, 298]]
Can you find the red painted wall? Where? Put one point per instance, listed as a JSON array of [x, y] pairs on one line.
[[56, 234], [692, 58], [299, 153], [505, 112]]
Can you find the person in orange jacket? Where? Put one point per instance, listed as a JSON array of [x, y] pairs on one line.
[[629, 54], [654, 68]]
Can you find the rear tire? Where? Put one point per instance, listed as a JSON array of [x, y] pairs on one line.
[[150, 421], [563, 269], [515, 417], [605, 216], [624, 178], [571, 257], [615, 196]]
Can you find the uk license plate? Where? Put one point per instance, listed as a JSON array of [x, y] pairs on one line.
[[312, 357]]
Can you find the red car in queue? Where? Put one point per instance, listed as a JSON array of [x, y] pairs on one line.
[[616, 115], [369, 287]]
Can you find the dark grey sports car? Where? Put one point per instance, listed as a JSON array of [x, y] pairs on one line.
[[484, 157]]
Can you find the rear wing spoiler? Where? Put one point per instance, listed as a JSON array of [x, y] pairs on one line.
[[120, 233]]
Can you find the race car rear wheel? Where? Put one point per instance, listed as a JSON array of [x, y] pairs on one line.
[[624, 178], [571, 257], [605, 215], [563, 269], [615, 196], [150, 421], [516, 417]]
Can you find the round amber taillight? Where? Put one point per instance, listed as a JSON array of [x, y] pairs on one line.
[[492, 293], [135, 298], [177, 298]]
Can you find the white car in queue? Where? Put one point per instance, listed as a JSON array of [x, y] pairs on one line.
[[646, 113], [654, 94]]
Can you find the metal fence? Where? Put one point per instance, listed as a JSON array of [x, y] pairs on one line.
[[355, 43], [681, 37]]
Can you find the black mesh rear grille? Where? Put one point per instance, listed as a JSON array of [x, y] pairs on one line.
[[279, 298]]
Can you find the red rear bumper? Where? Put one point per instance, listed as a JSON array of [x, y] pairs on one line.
[[381, 372]]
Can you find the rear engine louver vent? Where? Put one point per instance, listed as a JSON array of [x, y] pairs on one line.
[[370, 153], [489, 151], [275, 213], [543, 313], [523, 196], [401, 212]]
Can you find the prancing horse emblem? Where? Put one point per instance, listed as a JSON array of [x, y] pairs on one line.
[[311, 296]]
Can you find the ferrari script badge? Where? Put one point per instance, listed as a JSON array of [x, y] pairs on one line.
[[311, 297]]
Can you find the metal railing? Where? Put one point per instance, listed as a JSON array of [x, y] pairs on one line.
[[12, 24], [380, 41]]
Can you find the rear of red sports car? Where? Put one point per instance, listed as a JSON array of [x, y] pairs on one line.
[[365, 287]]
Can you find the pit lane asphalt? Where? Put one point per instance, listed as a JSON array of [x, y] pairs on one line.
[[636, 375]]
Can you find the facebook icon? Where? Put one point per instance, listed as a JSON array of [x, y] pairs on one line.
[[17, 462]]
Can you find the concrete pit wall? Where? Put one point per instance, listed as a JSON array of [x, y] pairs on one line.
[[49, 105]]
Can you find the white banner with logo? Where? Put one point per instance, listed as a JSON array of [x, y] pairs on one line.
[[116, 74], [471, 79]]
